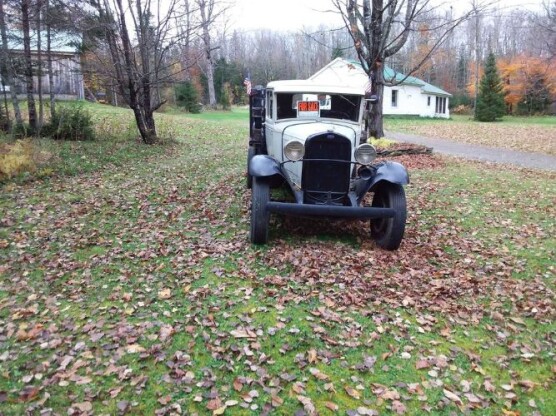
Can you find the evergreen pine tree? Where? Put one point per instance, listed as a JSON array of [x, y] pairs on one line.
[[187, 97], [490, 101]]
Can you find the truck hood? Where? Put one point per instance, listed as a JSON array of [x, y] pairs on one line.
[[303, 130]]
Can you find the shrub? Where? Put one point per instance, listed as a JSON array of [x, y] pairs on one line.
[[16, 158], [382, 143], [188, 98], [462, 110], [71, 123], [461, 99], [22, 130]]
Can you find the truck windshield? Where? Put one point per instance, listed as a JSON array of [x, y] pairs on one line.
[[311, 105]]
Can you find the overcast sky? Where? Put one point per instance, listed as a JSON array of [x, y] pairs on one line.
[[291, 15]]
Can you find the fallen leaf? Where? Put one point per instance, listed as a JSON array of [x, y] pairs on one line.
[[214, 404], [238, 385], [164, 400], [276, 401], [489, 386], [398, 407], [452, 396], [134, 349], [352, 392], [165, 293], [332, 406], [243, 333], [312, 356], [83, 407], [219, 411], [298, 388], [318, 374], [308, 405], [422, 364]]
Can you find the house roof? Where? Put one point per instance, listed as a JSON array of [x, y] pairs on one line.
[[349, 71], [315, 87], [61, 42]]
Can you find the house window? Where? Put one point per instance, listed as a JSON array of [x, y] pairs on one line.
[[428, 101], [394, 98], [440, 105]]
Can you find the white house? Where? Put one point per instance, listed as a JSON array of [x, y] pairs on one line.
[[402, 95]]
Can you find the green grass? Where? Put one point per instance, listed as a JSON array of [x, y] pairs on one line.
[[464, 119], [92, 254]]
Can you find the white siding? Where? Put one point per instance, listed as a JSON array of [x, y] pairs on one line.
[[408, 100], [411, 100]]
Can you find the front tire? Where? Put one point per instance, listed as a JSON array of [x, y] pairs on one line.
[[388, 232], [260, 217]]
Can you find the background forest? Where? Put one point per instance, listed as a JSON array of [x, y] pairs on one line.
[[187, 52]]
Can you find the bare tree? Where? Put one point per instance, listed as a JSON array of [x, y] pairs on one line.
[[139, 64], [209, 11], [546, 25], [379, 30]]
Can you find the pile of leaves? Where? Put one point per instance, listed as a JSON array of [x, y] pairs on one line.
[[135, 291]]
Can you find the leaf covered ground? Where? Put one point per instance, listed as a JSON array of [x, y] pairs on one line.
[[535, 134], [134, 290]]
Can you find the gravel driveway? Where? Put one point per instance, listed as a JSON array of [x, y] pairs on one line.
[[487, 154]]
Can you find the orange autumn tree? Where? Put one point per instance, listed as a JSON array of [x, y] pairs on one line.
[[529, 83], [471, 83]]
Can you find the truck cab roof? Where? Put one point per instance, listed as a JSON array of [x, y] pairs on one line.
[[308, 86]]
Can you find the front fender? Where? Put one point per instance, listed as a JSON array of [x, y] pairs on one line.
[[264, 166], [393, 172]]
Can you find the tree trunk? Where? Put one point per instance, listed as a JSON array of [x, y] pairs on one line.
[[49, 62], [137, 99], [39, 67], [376, 69], [146, 125], [376, 128], [210, 81], [205, 21], [28, 65], [8, 66]]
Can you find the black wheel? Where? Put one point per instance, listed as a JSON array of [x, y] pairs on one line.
[[260, 195], [388, 232], [250, 154]]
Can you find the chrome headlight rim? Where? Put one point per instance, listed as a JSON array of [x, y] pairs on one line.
[[365, 154], [294, 150]]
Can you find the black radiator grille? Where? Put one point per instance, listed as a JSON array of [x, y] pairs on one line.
[[326, 181]]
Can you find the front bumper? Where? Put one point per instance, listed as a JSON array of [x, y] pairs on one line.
[[286, 208]]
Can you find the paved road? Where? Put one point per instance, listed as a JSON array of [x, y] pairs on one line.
[[473, 151]]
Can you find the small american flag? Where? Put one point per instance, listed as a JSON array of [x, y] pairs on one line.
[[247, 83]]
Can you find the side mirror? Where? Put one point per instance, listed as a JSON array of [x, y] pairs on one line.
[[373, 99]]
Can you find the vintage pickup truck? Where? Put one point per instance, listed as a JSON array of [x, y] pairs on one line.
[[310, 136]]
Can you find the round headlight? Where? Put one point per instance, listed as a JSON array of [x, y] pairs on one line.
[[294, 150], [365, 154]]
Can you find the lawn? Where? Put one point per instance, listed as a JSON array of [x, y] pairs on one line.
[[131, 288], [529, 134]]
